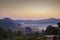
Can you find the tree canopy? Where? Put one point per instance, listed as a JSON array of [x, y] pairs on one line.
[[51, 30]]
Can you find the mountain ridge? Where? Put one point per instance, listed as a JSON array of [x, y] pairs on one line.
[[43, 21], [9, 23]]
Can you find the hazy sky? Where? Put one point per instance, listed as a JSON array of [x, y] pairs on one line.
[[30, 9]]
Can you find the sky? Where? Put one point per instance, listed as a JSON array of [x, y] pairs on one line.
[[30, 9]]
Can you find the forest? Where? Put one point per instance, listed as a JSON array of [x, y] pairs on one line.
[[8, 34]]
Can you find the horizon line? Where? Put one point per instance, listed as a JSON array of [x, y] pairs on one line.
[[28, 18]]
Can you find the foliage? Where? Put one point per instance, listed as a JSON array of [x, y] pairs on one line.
[[8, 34], [58, 31], [19, 33], [54, 30], [58, 24], [51, 30]]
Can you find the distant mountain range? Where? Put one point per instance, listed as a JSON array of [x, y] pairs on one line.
[[8, 23], [44, 21]]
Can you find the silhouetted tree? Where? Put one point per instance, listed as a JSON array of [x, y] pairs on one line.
[[37, 33], [28, 30], [19, 33], [1, 32], [51, 30], [58, 24], [58, 31], [6, 33]]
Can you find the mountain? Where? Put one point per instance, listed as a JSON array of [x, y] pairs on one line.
[[49, 21], [9, 23], [45, 21]]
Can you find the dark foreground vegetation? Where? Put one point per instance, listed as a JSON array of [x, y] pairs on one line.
[[8, 34], [51, 30]]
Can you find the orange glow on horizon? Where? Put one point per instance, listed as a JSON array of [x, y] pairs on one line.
[[30, 10]]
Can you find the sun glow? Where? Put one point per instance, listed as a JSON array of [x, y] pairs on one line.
[[31, 9]]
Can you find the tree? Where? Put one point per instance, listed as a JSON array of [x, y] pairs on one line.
[[28, 30], [51, 30], [58, 24], [37, 33], [9, 32], [58, 30], [19, 33], [1, 32], [6, 33]]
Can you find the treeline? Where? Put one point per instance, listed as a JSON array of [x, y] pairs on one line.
[[51, 30], [8, 34]]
